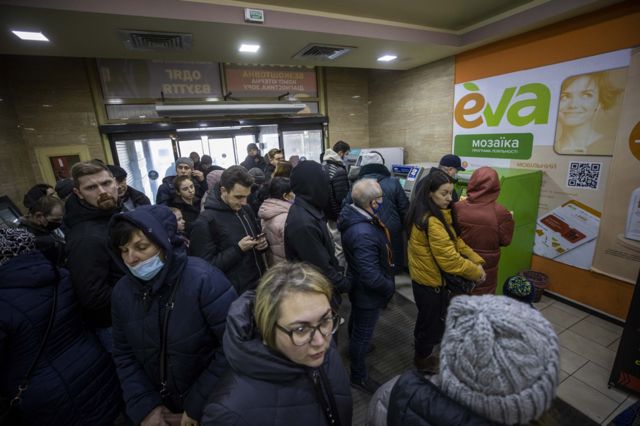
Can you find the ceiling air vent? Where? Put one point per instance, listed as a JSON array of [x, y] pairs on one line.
[[322, 51], [155, 41]]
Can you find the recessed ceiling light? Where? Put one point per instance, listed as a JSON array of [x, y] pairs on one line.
[[387, 58], [249, 48], [30, 35]]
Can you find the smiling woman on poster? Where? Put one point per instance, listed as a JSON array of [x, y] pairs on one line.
[[585, 124]]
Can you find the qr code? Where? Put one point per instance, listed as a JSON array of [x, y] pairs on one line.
[[584, 175]]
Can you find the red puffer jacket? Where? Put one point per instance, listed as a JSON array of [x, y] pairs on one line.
[[485, 225]]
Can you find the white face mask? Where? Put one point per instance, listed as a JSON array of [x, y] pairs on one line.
[[148, 269]]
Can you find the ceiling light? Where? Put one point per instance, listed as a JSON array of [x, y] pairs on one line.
[[249, 48], [30, 35], [387, 58]]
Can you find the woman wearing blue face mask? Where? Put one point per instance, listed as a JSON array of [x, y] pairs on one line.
[[169, 313]]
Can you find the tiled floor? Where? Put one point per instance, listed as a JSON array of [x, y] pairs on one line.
[[588, 346]]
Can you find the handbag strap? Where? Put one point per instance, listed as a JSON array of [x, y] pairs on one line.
[[163, 340], [325, 395], [24, 384]]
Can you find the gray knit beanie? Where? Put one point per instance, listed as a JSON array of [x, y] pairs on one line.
[[184, 160], [500, 358]]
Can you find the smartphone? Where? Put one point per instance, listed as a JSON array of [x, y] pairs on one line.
[[257, 237]]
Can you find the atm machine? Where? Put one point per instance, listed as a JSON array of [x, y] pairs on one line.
[[409, 175], [391, 155]]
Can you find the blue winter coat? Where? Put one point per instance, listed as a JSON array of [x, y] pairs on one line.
[[75, 382], [195, 327], [265, 388], [366, 249], [394, 207]]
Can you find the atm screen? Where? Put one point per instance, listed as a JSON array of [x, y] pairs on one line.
[[402, 181]]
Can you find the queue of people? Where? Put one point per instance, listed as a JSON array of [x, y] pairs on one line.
[[216, 315]]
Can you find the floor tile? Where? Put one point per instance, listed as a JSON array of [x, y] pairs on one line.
[[560, 317], [586, 399], [598, 378], [595, 332], [563, 375], [544, 302], [571, 310], [570, 362], [614, 346], [626, 404], [601, 355], [614, 328]]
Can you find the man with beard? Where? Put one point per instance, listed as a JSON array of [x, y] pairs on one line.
[[93, 272]]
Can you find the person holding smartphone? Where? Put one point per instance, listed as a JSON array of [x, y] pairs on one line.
[[227, 233]]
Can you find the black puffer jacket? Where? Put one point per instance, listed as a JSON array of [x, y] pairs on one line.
[[190, 212], [415, 401], [50, 243], [306, 236], [394, 207], [264, 388], [365, 246], [75, 382], [338, 187], [214, 238], [93, 272], [195, 327]]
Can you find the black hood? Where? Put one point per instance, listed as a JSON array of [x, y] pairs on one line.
[[159, 224], [214, 200], [245, 351], [374, 169], [77, 211], [310, 183]]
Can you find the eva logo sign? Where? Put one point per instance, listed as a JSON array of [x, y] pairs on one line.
[[520, 106]]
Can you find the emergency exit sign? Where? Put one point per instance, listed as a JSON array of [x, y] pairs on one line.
[[254, 15]]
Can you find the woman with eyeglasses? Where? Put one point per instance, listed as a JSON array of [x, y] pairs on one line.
[[284, 369]]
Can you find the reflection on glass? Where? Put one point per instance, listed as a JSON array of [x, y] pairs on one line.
[[303, 143]]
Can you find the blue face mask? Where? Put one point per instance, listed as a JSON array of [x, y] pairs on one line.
[[147, 269], [376, 209]]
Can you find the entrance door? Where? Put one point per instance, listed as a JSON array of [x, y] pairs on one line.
[[147, 162]]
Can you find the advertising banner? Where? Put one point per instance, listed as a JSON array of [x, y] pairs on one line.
[[561, 119], [245, 81], [140, 79], [618, 247]]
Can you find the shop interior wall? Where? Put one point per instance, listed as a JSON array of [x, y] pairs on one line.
[[49, 104], [16, 174], [347, 99], [607, 30], [413, 109]]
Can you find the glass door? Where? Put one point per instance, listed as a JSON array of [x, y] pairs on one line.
[[147, 162], [306, 144]]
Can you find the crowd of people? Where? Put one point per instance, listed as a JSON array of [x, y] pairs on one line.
[[217, 304]]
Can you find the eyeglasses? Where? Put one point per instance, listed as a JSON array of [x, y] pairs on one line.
[[304, 334]]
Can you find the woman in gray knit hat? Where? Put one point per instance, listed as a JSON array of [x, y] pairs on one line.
[[499, 364]]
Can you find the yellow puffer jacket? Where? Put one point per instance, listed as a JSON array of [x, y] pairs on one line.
[[455, 258]]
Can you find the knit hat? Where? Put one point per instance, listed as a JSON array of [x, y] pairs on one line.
[[213, 178], [499, 358], [64, 188], [184, 160], [34, 194], [519, 288], [15, 241], [252, 146], [258, 175]]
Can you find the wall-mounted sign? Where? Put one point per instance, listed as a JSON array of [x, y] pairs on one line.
[[265, 81], [254, 15], [139, 79]]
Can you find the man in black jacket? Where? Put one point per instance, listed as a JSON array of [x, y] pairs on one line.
[[368, 250], [306, 236], [128, 197], [254, 159], [227, 233], [338, 191], [184, 167], [93, 272]]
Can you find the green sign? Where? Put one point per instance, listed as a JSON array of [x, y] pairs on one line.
[[498, 145]]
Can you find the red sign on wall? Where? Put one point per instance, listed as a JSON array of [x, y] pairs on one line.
[[248, 81]]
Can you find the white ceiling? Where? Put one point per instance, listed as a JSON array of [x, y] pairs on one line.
[[417, 31]]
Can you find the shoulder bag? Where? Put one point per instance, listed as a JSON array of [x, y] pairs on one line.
[[10, 414]]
